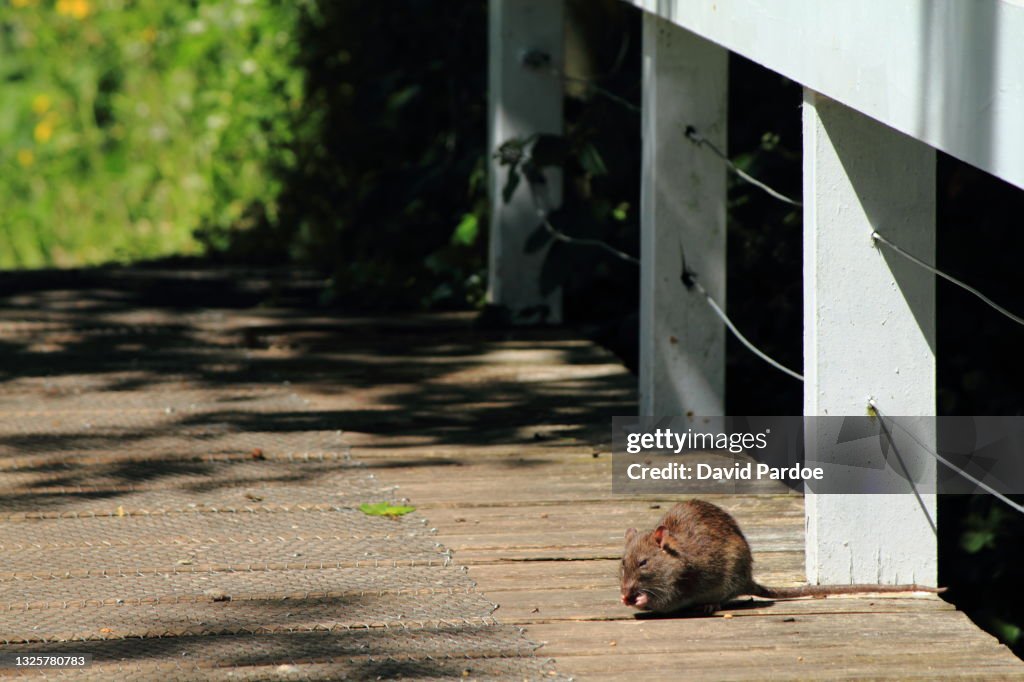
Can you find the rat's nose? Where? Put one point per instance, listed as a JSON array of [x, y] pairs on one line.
[[637, 599]]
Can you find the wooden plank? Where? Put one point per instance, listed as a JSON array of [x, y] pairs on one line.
[[473, 556], [730, 635], [564, 575], [547, 605], [550, 522], [829, 645], [597, 478], [559, 529], [893, 632], [748, 509], [755, 663], [509, 547], [636, 511]]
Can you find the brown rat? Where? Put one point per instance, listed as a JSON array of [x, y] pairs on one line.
[[698, 557]]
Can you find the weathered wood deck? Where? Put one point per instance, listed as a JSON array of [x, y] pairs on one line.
[[502, 444], [499, 439]]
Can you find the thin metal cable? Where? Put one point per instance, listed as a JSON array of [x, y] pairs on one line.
[[689, 279], [535, 61], [984, 486], [742, 339], [907, 477], [595, 88], [540, 203], [693, 136], [949, 278], [563, 237]]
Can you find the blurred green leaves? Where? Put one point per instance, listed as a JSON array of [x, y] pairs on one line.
[[348, 136], [586, 210], [984, 528], [387, 189], [591, 161], [126, 124], [467, 231]]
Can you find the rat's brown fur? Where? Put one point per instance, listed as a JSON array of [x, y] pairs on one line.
[[697, 556]]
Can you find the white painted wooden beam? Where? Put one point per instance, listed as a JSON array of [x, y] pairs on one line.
[[946, 72], [683, 205], [522, 102], [869, 331]]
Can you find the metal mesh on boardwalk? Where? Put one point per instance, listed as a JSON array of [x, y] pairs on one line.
[[444, 651], [171, 507]]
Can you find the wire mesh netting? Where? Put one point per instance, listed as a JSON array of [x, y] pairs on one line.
[[445, 651], [170, 507]]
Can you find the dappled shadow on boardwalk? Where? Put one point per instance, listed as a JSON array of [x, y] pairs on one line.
[[176, 471], [357, 654], [433, 377]]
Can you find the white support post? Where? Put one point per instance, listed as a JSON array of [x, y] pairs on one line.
[[869, 332], [683, 206], [522, 102]]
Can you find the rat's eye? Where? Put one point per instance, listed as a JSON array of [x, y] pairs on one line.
[[642, 563]]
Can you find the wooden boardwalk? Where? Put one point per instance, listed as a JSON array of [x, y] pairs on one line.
[[503, 445], [500, 441]]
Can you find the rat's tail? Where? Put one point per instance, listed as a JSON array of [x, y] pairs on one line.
[[759, 590]]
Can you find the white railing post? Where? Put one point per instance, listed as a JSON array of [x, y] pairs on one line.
[[522, 101], [869, 331], [683, 206]]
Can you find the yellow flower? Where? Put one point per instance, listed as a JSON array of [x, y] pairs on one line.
[[26, 158], [41, 104], [149, 34], [79, 9], [44, 130]]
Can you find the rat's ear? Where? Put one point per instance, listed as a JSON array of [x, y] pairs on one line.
[[630, 532], [661, 535]]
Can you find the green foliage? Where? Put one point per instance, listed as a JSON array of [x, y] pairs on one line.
[[467, 231], [127, 123], [344, 135], [984, 575], [387, 192], [981, 529], [588, 210], [591, 161], [1009, 633]]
